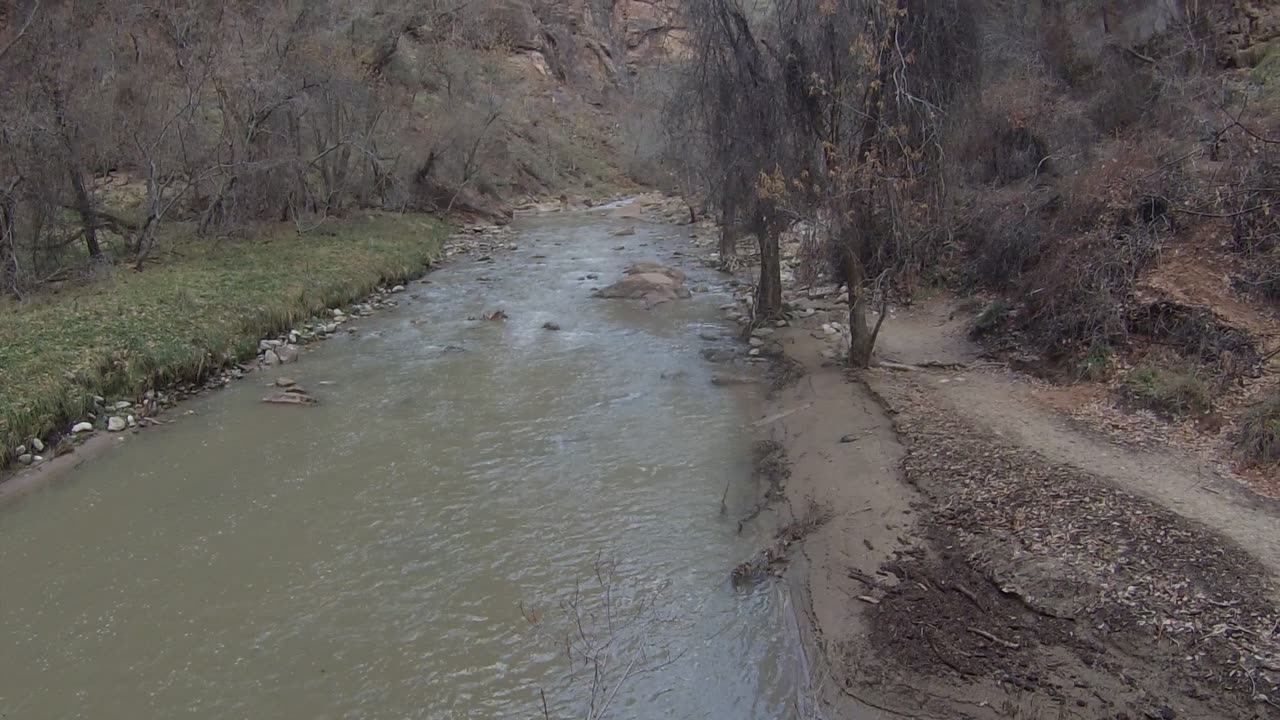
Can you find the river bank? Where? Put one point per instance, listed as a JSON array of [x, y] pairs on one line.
[[71, 356], [976, 556]]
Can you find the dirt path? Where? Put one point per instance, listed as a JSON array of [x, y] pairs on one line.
[[983, 558], [1005, 404]]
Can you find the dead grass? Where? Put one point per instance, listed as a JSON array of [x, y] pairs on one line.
[[1170, 391], [205, 304], [1259, 436]]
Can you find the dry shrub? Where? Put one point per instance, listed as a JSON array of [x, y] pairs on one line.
[[1199, 336], [1006, 239], [1259, 436], [1255, 222], [1120, 98], [1079, 295], [1170, 391]]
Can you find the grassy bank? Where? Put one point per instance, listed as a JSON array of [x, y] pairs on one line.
[[207, 302]]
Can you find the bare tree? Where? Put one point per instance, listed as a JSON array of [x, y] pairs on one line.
[[830, 114]]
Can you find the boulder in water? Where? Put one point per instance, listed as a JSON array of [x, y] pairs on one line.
[[292, 396], [650, 282]]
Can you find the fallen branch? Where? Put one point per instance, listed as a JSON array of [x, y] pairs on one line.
[[994, 639], [973, 598]]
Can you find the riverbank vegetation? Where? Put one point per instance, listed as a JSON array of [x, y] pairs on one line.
[[200, 307], [1107, 177]]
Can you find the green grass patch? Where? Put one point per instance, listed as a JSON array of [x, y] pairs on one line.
[[1172, 392], [1259, 437], [206, 303]]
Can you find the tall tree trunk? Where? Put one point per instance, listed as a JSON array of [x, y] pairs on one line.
[[84, 206], [862, 339], [728, 230], [769, 289], [8, 246]]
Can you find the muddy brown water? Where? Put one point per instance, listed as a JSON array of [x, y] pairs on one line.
[[380, 555]]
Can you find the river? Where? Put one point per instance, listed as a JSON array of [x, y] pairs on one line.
[[465, 497]]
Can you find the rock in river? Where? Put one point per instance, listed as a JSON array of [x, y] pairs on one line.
[[292, 396], [648, 281]]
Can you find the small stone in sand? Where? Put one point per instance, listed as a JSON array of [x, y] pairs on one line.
[[285, 382]]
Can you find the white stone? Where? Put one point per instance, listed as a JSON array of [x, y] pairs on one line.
[[83, 427], [116, 424], [37, 444]]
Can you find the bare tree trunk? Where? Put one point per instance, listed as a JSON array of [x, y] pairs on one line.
[[861, 340], [769, 290], [8, 246], [84, 206], [728, 230], [146, 241]]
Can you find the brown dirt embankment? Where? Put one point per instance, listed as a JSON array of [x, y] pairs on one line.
[[970, 564]]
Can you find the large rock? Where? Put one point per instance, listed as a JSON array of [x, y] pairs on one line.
[[650, 282], [116, 424], [292, 396], [653, 268]]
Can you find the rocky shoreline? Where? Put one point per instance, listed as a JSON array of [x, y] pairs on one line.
[[121, 415]]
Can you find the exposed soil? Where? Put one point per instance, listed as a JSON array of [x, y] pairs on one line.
[[986, 557]]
